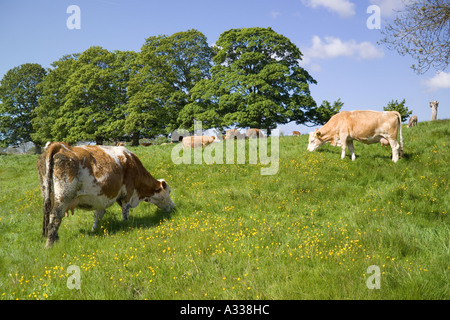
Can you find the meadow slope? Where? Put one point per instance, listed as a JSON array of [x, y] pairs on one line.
[[308, 232]]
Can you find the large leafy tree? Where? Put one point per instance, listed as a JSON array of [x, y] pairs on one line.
[[422, 30], [19, 94], [85, 97], [91, 97], [47, 123], [168, 68], [149, 90], [256, 82]]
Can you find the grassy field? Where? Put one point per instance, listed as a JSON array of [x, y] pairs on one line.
[[309, 232]]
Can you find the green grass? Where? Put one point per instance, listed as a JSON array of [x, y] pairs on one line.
[[308, 232]]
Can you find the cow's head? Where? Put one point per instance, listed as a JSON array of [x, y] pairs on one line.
[[315, 140], [161, 197]]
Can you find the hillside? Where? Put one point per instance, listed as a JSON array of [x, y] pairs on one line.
[[311, 231]]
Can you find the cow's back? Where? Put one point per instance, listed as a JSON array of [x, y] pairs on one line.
[[366, 125]]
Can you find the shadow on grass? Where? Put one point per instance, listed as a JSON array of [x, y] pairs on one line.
[[112, 222], [406, 155]]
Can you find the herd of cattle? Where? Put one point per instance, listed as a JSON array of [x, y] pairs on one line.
[[95, 177]]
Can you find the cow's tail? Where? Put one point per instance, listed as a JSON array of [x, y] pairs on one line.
[[50, 150], [399, 116]]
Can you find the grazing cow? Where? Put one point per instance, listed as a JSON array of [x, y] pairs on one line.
[[146, 144], [254, 133], [364, 126], [296, 133], [234, 134], [412, 122], [94, 178], [197, 141]]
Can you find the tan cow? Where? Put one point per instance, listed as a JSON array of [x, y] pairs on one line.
[[412, 122], [364, 126], [94, 178], [197, 141], [254, 133], [234, 134], [296, 133]]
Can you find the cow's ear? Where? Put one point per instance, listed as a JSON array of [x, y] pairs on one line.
[[319, 134], [163, 184]]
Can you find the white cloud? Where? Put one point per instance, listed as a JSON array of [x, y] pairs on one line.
[[344, 8], [388, 7], [440, 81], [333, 47]]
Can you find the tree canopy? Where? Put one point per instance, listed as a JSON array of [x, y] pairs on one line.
[[256, 81], [19, 94]]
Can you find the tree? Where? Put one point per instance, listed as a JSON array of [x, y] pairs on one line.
[[422, 30], [19, 94], [256, 82], [91, 97], [167, 69], [321, 115], [86, 96], [47, 123], [149, 90], [399, 107]]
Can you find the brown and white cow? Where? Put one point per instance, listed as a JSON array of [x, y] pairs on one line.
[[364, 126], [412, 122], [197, 141], [296, 133], [94, 178], [254, 133]]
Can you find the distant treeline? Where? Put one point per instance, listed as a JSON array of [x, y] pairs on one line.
[[250, 77]]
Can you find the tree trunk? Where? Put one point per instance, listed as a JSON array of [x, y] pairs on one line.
[[135, 141]]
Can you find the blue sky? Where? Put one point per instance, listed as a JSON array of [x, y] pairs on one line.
[[340, 51]]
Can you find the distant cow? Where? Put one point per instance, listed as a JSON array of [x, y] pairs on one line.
[[146, 144], [412, 121], [120, 144], [254, 133], [296, 133], [234, 134], [197, 141], [94, 178], [364, 126]]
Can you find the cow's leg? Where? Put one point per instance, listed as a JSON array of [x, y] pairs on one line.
[[53, 224], [395, 147], [352, 149], [98, 216], [343, 150], [125, 211]]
